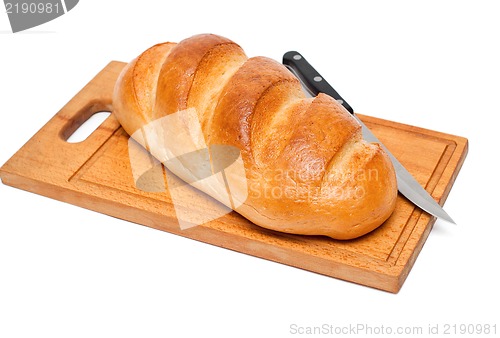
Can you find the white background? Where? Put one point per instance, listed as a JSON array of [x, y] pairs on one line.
[[70, 272]]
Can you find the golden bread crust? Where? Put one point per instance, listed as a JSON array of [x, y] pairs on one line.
[[308, 170]]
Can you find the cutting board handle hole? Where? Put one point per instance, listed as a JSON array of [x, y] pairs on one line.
[[88, 127]]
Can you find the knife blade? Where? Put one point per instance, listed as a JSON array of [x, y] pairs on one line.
[[408, 186]]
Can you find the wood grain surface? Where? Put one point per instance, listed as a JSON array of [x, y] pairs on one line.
[[96, 174]]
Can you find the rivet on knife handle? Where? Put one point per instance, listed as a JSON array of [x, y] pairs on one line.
[[312, 80]]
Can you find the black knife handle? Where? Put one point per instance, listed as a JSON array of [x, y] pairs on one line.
[[313, 81]]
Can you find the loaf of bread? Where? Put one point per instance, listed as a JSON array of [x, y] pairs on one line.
[[305, 167]]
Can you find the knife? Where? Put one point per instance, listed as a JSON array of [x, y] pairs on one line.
[[314, 83]]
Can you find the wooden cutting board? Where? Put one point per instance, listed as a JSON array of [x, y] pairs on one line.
[[96, 174]]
